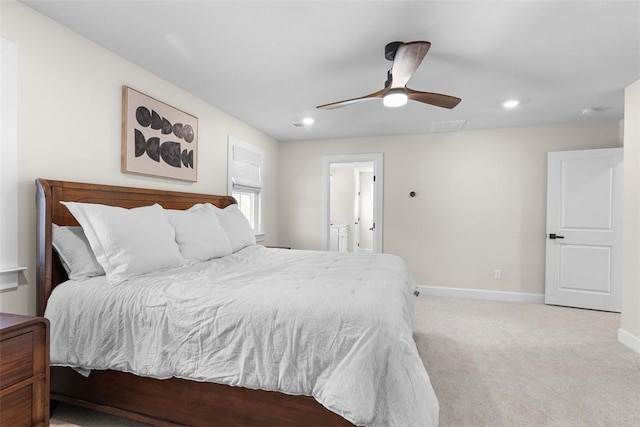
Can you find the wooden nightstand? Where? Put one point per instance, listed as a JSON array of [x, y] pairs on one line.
[[24, 370]]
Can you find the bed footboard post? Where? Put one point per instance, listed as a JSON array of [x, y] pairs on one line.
[[43, 245]]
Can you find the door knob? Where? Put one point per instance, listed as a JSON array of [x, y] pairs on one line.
[[554, 236]]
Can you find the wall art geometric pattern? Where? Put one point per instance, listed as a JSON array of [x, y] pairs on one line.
[[157, 139]]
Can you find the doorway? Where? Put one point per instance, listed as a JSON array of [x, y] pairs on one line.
[[352, 203], [351, 207]]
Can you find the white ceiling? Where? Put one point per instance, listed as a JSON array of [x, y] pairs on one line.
[[270, 63]]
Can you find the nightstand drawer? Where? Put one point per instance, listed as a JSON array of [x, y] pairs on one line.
[[16, 408], [24, 371], [16, 361]]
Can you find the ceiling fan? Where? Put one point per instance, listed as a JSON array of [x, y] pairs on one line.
[[406, 59]]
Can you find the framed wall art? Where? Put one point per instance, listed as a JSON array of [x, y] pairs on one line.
[[157, 139]]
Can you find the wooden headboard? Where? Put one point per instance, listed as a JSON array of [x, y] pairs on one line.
[[49, 194]]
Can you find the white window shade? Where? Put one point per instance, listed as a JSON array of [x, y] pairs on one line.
[[245, 168]]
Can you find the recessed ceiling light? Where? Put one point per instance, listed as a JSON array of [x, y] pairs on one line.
[[511, 103]]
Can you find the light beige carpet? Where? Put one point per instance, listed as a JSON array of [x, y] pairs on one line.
[[507, 364], [73, 416], [512, 364]]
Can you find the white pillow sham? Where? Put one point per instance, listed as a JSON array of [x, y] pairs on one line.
[[74, 251], [199, 233], [237, 227], [128, 242]]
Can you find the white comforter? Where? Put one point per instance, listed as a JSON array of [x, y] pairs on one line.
[[331, 325]]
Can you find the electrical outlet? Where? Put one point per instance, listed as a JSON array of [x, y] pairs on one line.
[[497, 274]]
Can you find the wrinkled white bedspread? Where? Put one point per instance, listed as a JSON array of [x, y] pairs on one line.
[[336, 326]]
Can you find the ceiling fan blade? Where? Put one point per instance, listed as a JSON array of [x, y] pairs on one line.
[[347, 102], [406, 61], [437, 99]]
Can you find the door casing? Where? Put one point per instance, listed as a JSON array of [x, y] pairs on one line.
[[377, 159]]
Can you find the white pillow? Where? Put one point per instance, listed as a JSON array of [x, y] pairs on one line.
[[237, 227], [128, 242], [75, 253], [199, 233]]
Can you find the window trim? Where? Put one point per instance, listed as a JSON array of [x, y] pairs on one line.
[[259, 215]]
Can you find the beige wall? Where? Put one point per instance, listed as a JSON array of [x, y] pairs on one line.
[[69, 126], [480, 204], [341, 196], [631, 221]]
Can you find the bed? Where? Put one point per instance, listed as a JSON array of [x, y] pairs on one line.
[[263, 288]]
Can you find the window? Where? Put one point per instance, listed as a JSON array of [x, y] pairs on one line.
[[247, 204], [245, 169]]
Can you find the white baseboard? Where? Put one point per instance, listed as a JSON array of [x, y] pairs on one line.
[[629, 340], [482, 294]]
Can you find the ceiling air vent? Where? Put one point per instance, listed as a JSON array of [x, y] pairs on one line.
[[300, 126], [450, 126]]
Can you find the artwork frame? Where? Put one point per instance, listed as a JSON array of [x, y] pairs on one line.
[[157, 139]]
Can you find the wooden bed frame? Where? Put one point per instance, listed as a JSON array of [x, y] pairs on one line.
[[168, 402]]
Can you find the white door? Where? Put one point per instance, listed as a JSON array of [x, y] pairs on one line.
[[366, 211], [356, 212], [584, 229]]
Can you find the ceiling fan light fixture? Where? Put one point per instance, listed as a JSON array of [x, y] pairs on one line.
[[395, 98], [406, 58]]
